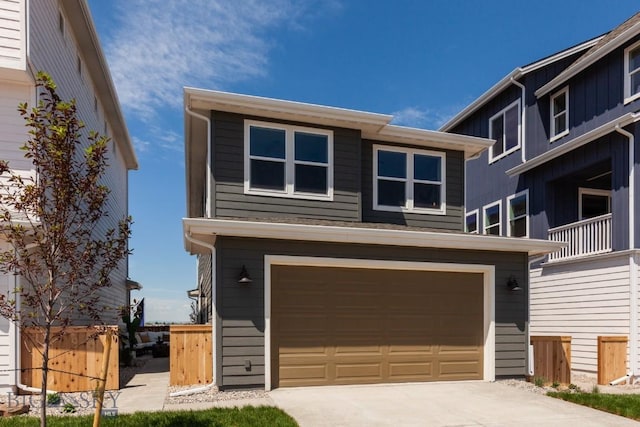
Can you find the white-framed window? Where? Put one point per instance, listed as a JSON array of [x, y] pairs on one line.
[[471, 222], [593, 202], [518, 214], [408, 180], [559, 120], [288, 161], [632, 72], [491, 215], [504, 127]]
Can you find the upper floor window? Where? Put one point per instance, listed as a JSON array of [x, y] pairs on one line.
[[559, 125], [518, 213], [632, 72], [492, 214], [288, 161], [504, 127], [471, 222], [408, 180]]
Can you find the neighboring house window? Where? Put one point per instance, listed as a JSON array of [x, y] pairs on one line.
[[471, 222], [559, 114], [288, 161], [593, 202], [518, 214], [632, 72], [491, 218], [504, 127], [408, 180]]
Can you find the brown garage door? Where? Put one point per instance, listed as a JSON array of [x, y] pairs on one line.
[[358, 326]]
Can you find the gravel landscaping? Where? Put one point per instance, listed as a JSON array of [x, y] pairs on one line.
[[213, 395]]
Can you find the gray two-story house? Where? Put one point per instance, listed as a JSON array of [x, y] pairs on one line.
[[331, 249], [564, 167]]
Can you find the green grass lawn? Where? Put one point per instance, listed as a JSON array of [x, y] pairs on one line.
[[627, 405], [227, 417]]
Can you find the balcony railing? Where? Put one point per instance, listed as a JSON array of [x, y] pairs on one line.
[[587, 237]]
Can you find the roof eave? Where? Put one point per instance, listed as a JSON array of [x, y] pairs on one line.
[[574, 143], [479, 102], [470, 145], [579, 66], [355, 235], [81, 21], [285, 110]]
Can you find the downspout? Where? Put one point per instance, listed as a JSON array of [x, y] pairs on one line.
[[522, 120], [214, 312], [209, 182], [633, 261], [18, 347], [529, 346]]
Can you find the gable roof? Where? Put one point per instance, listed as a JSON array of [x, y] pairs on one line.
[[612, 40], [508, 80]]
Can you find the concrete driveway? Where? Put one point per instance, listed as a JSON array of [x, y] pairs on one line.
[[435, 404]]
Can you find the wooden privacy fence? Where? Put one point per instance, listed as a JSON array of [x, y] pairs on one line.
[[191, 355], [75, 359], [612, 358], [552, 359]]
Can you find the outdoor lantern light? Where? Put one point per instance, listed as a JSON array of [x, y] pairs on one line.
[[244, 277], [512, 284]]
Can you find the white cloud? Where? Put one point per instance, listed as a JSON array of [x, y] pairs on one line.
[[157, 47], [140, 144], [410, 116], [425, 118]]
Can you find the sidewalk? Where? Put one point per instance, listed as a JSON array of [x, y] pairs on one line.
[[148, 388], [147, 391]]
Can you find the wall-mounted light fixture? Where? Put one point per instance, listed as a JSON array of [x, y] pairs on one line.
[[244, 277], [512, 284]]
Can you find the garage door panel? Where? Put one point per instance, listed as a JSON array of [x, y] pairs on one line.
[[411, 371], [410, 351], [458, 368], [302, 350], [371, 326], [304, 375], [358, 372], [358, 350]]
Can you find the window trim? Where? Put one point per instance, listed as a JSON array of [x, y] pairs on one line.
[[476, 213], [289, 161], [552, 122], [409, 181], [501, 113], [591, 192], [628, 96], [526, 215], [484, 217]]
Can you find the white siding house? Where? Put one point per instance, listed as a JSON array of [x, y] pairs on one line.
[[59, 37]]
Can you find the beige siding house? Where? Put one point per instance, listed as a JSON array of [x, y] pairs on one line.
[[59, 37]]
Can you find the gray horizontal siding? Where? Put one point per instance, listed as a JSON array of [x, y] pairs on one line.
[[230, 200], [452, 220], [241, 308]]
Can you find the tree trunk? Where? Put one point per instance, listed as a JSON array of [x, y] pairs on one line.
[[45, 374]]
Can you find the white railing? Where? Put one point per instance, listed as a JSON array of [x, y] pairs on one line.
[[587, 237]]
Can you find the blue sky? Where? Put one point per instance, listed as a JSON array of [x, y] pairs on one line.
[[422, 61]]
